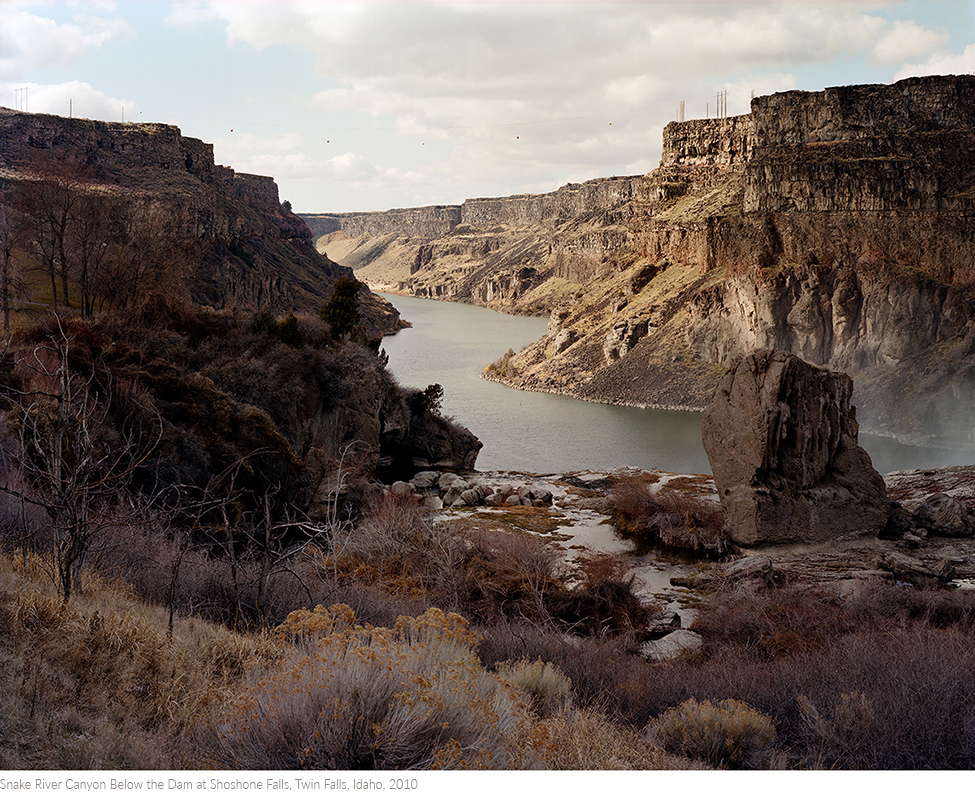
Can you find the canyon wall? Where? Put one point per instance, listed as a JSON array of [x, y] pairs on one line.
[[527, 210], [837, 225], [428, 222], [257, 252], [874, 148]]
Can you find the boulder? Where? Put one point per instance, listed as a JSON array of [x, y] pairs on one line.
[[622, 338], [401, 489], [425, 480], [942, 515], [472, 496], [543, 496], [563, 340], [457, 488], [781, 437], [447, 480], [901, 525], [681, 642]]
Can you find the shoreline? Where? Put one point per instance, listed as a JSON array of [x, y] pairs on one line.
[[904, 439]]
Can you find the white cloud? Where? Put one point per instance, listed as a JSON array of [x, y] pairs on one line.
[[40, 42], [943, 64], [906, 40], [76, 98], [515, 95], [439, 66]]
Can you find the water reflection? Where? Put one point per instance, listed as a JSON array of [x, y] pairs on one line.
[[450, 343]]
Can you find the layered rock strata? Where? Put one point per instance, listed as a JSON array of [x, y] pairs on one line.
[[256, 251], [836, 225]]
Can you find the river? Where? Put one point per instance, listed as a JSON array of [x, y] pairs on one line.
[[450, 343]]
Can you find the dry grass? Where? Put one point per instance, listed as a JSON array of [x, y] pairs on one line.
[[728, 733], [97, 683], [586, 739], [357, 697]]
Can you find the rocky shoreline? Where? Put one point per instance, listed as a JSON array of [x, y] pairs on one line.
[[740, 239], [570, 511]]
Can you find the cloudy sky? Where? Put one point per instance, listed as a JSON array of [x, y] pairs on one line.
[[364, 106]]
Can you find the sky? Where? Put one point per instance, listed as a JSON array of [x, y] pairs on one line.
[[366, 106]]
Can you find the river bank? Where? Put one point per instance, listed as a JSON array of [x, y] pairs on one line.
[[547, 432]]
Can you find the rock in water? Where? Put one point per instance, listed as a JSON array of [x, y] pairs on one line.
[[781, 436]]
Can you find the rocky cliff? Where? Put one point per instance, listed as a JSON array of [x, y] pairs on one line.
[[256, 251], [836, 225], [492, 251]]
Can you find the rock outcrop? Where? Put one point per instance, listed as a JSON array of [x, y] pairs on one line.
[[781, 436], [255, 252], [836, 225]]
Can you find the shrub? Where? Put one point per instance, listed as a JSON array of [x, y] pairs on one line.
[[671, 518], [603, 601], [730, 733], [587, 739], [547, 686], [264, 321], [500, 574], [425, 401], [502, 368], [776, 622], [290, 331], [839, 739], [354, 697], [341, 312]]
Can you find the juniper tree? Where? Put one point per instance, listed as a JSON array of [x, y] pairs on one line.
[[341, 312]]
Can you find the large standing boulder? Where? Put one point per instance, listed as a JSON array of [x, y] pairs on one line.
[[781, 436]]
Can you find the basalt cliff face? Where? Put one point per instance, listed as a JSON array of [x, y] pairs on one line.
[[490, 251], [256, 253], [837, 225]]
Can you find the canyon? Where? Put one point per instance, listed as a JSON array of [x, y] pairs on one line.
[[256, 252], [836, 225]]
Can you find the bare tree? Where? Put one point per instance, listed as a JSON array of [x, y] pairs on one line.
[[111, 249], [154, 257], [13, 235], [95, 243], [50, 199], [75, 463]]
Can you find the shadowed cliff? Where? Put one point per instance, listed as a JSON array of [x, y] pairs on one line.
[[835, 225], [254, 250]]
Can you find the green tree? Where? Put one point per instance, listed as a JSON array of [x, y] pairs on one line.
[[341, 312]]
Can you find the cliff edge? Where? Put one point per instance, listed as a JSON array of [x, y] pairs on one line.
[[836, 225], [255, 252]]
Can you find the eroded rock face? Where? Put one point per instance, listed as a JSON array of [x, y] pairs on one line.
[[781, 436]]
